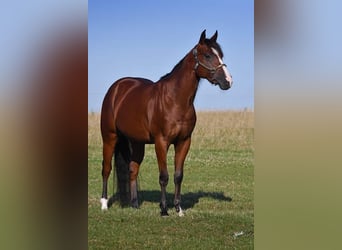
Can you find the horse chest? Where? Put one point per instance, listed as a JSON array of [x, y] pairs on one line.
[[180, 129]]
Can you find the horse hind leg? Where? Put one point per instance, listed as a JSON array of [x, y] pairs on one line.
[[108, 150], [138, 151]]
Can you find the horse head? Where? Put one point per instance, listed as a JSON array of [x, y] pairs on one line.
[[208, 62]]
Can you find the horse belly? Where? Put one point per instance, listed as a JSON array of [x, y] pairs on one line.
[[135, 132]]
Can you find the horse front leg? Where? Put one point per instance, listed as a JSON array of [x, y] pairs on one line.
[[161, 148], [181, 150]]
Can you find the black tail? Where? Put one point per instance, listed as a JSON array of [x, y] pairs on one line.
[[122, 159]]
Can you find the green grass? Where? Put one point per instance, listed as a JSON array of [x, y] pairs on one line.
[[217, 192]]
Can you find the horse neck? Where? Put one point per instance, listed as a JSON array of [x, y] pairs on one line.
[[181, 84]]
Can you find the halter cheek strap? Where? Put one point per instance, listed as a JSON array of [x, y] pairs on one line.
[[194, 52], [211, 69]]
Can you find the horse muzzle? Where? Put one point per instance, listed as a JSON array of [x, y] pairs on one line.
[[224, 85], [224, 82], [223, 79]]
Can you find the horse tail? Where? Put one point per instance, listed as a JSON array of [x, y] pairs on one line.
[[122, 157]]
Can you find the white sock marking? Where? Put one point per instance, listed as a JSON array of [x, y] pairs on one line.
[[104, 204], [180, 213]]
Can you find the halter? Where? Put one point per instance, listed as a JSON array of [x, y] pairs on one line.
[[211, 69]]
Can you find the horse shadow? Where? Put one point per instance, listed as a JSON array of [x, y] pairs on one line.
[[189, 200]]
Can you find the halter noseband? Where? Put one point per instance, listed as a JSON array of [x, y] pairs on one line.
[[211, 69]]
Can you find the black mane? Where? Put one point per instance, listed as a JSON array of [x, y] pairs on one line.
[[168, 74], [214, 45]]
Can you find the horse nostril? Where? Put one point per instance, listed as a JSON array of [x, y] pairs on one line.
[[230, 84]]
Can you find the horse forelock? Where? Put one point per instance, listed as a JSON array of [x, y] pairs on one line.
[[214, 45]]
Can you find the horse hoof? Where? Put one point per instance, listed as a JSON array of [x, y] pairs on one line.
[[104, 204], [164, 214], [134, 203], [135, 206]]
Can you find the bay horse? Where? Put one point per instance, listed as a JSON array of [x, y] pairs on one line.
[[137, 111]]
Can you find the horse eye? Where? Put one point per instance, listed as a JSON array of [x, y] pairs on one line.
[[207, 56]]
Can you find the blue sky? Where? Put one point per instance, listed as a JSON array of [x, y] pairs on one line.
[[147, 38]]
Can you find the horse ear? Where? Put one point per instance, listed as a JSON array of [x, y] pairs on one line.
[[202, 38], [214, 37]]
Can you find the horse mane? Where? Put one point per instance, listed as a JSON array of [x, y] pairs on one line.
[[174, 68], [209, 43]]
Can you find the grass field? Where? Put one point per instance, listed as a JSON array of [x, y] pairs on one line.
[[217, 192]]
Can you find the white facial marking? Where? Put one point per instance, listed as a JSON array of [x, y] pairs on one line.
[[225, 70]]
